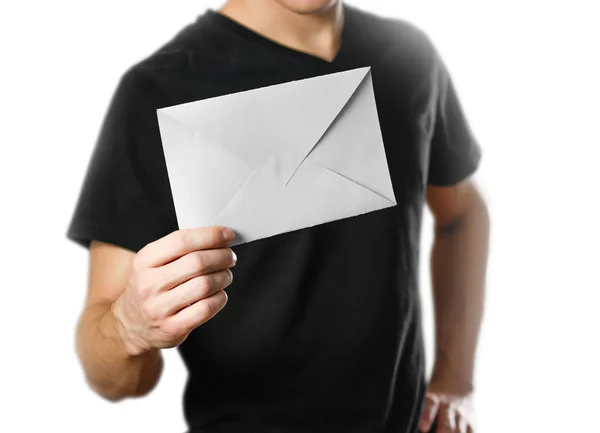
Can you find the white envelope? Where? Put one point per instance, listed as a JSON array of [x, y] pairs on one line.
[[279, 158]]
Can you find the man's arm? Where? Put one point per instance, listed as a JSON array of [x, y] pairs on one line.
[[458, 268], [109, 369], [140, 303]]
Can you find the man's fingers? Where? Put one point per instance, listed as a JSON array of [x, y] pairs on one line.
[[192, 265], [181, 242], [446, 420], [430, 409], [196, 314], [461, 423], [191, 291]]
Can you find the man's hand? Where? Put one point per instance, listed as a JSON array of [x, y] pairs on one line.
[[176, 284], [454, 410]]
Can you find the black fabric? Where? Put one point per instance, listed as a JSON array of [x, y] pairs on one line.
[[322, 331]]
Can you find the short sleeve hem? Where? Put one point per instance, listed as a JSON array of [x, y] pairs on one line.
[[458, 173], [82, 232]]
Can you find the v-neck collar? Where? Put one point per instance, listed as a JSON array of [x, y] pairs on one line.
[[251, 35]]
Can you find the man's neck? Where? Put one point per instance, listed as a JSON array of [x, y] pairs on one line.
[[318, 34]]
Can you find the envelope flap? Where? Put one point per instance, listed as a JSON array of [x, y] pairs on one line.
[[353, 145], [283, 121], [319, 102]]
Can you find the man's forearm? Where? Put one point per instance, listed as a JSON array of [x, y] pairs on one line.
[[458, 267], [109, 369]]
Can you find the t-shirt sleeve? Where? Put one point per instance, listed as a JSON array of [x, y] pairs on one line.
[[455, 153], [116, 203]]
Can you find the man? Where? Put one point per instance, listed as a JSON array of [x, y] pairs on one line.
[[320, 330]]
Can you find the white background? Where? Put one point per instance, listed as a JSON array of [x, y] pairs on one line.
[[528, 75]]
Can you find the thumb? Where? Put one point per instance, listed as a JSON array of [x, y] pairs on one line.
[[430, 409]]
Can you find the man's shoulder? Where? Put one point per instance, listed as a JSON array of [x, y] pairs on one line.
[[397, 36], [179, 53], [386, 25]]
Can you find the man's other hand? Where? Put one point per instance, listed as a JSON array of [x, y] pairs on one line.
[[453, 412]]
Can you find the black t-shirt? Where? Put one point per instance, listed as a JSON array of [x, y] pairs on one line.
[[322, 331]]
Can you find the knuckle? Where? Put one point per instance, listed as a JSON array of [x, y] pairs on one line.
[[138, 262], [181, 240], [198, 261], [214, 234], [205, 309], [144, 289], [222, 257], [203, 286], [153, 312], [172, 330]]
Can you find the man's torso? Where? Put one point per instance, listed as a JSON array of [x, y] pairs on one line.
[[322, 330]]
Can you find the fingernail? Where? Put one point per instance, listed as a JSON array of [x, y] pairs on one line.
[[234, 257], [228, 234]]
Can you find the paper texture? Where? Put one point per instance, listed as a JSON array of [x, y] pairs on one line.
[[279, 158]]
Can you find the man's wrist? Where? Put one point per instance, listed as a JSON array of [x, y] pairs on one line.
[[114, 327], [451, 386], [451, 382]]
